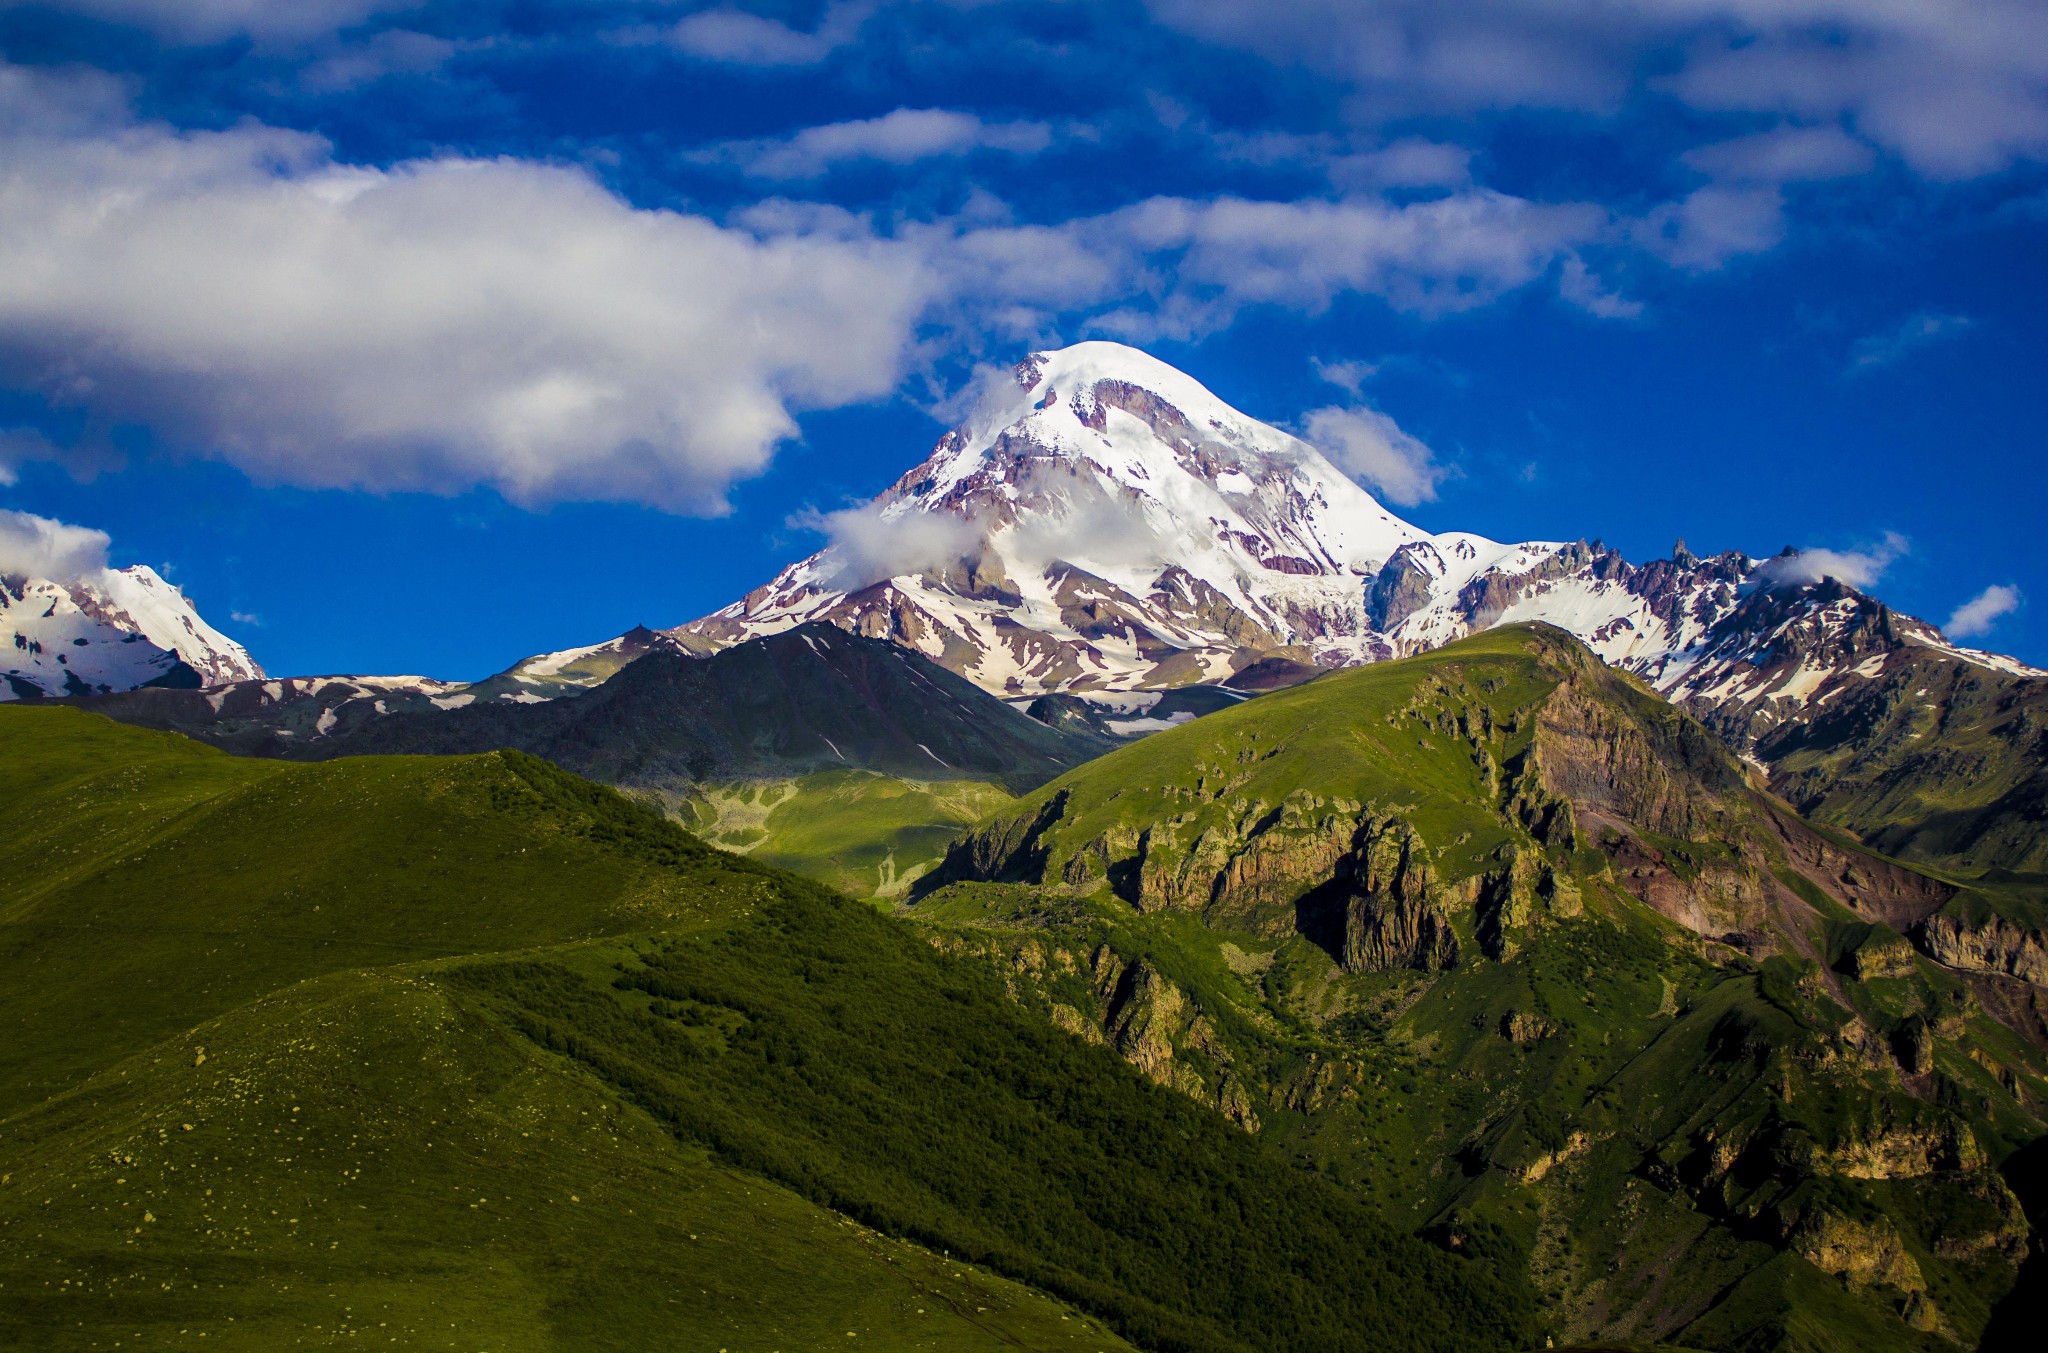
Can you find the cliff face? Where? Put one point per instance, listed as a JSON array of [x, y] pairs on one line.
[[1992, 944]]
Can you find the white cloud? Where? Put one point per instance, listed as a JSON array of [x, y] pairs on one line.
[[1857, 568], [433, 326], [1198, 263], [1785, 154], [735, 37], [1957, 88], [448, 323], [866, 548], [1349, 376], [38, 547], [1977, 615], [1409, 163], [1082, 520], [1580, 286], [395, 51], [1714, 224], [1371, 447], [1908, 336], [215, 20], [904, 136]]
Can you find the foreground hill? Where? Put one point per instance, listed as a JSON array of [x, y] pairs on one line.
[[469, 1051], [1513, 947]]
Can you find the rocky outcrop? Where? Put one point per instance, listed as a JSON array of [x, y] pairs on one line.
[[1862, 1253], [1902, 1151], [1990, 945], [1645, 765], [1881, 955], [1402, 586], [1395, 916]]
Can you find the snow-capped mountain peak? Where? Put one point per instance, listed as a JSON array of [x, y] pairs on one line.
[[108, 630], [1103, 521]]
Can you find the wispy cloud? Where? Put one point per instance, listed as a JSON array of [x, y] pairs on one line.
[[209, 21], [1348, 375], [1787, 154], [902, 137], [1859, 568], [864, 547], [1712, 225], [18, 446], [736, 37], [1980, 613], [1905, 338], [1373, 449]]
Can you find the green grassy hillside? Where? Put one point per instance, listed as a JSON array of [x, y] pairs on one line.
[[469, 1053], [152, 883], [368, 1158], [864, 833], [1510, 947]]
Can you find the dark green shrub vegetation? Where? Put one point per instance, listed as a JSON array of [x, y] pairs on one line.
[[830, 1049]]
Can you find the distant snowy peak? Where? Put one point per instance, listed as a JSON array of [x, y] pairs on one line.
[[1101, 522], [113, 630]]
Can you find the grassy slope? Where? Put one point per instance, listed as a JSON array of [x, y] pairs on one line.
[[153, 883], [160, 889], [866, 834], [830, 1048], [370, 1158], [1337, 735]]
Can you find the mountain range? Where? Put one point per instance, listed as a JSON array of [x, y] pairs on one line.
[[809, 699], [1103, 531]]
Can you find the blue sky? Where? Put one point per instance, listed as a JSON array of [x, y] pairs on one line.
[[423, 336]]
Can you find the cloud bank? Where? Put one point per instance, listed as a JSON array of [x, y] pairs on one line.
[[432, 326], [446, 323], [1955, 88]]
